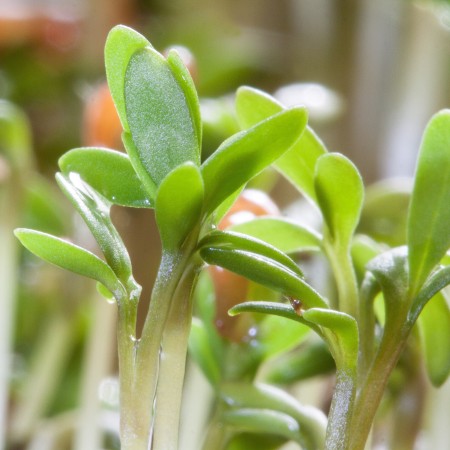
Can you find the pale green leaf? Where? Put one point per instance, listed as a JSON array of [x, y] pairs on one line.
[[340, 191], [434, 324], [263, 421], [429, 213], [262, 396], [298, 164], [265, 271], [159, 115], [120, 45], [284, 234], [247, 153], [70, 257], [95, 211], [179, 203], [182, 75], [109, 172]]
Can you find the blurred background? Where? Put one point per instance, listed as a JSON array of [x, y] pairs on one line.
[[371, 72]]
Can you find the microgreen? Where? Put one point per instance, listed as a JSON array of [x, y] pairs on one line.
[[159, 110]]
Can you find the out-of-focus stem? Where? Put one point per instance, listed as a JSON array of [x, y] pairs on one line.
[[8, 282], [47, 366], [97, 363]]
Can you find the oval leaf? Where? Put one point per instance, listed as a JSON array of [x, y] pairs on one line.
[[238, 241], [179, 203], [183, 76], [340, 331], [284, 234], [254, 105], [122, 42], [339, 189], [434, 325], [429, 212], [298, 164], [71, 257], [265, 271], [262, 396], [247, 153], [306, 362], [109, 172], [159, 115], [263, 421]]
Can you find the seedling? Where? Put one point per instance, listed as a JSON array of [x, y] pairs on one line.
[[162, 132]]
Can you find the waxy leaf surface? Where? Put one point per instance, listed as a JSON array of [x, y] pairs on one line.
[[429, 213], [94, 209], [71, 257], [265, 271], [182, 75], [122, 42], [109, 172], [159, 115], [247, 153], [339, 190], [284, 234], [179, 203], [434, 323], [298, 164]]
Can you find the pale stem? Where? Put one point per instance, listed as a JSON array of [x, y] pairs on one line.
[[172, 367], [47, 366], [97, 364]]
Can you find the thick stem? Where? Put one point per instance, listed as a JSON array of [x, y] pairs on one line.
[[140, 361], [373, 387], [172, 366], [341, 412]]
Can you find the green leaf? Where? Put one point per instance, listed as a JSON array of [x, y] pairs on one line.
[[340, 331], [298, 164], [122, 42], [390, 270], [306, 362], [435, 283], [273, 308], [182, 75], [95, 210], [109, 172], [434, 324], [276, 335], [263, 421], [429, 214], [340, 191], [312, 422], [202, 353], [71, 257], [385, 211], [238, 241], [147, 183], [253, 105], [363, 250], [247, 153], [265, 271], [159, 115], [284, 234], [179, 203]]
